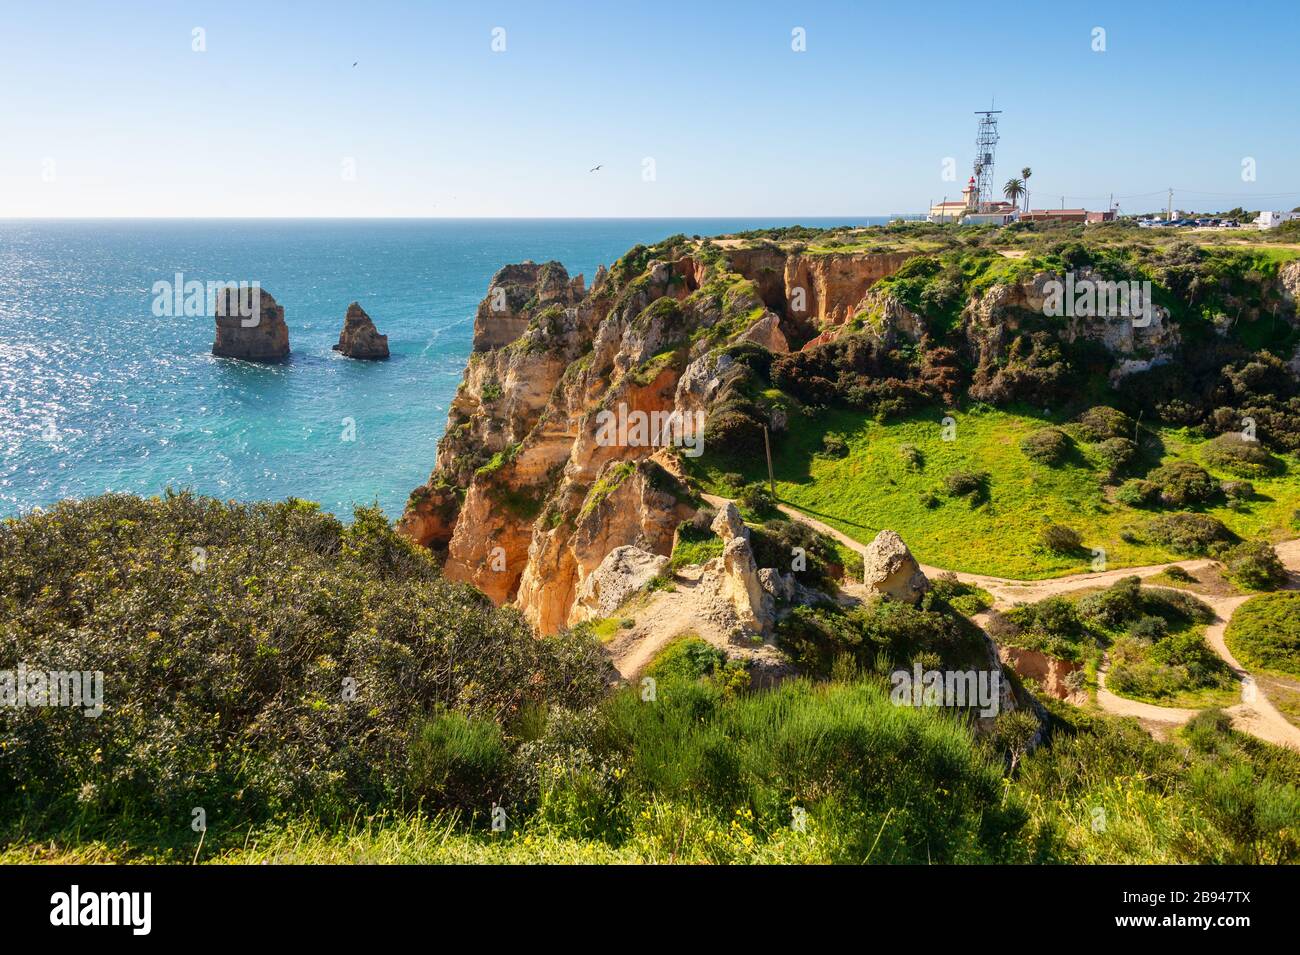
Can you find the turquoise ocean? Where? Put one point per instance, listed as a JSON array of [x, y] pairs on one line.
[[97, 393]]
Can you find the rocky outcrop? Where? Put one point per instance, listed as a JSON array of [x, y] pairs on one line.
[[1050, 672], [359, 337], [514, 294], [781, 586], [250, 326], [623, 572], [891, 571], [1138, 343], [741, 584], [531, 491], [767, 332], [814, 293], [727, 523]]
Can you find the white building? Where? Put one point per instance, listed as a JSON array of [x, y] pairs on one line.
[[1271, 220]]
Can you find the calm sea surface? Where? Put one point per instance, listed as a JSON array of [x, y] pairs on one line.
[[97, 393]]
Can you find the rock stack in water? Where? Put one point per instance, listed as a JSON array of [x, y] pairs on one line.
[[360, 338], [250, 325]]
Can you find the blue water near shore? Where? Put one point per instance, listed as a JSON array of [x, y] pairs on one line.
[[98, 394]]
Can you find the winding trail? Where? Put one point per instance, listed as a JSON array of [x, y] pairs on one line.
[[1255, 715]]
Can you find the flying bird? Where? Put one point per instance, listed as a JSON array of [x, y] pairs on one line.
[[354, 64], [595, 167]]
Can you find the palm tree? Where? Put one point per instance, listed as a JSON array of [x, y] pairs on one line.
[[1013, 190], [1025, 174]]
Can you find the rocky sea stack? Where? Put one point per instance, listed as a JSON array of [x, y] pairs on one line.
[[359, 337], [252, 333]]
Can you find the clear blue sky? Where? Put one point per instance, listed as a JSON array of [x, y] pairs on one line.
[[138, 124]]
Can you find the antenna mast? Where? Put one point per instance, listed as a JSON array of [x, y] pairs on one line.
[[986, 144]]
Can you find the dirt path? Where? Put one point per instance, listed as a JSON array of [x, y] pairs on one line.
[[1255, 715]]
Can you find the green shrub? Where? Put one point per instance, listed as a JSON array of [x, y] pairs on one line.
[[1136, 492], [1149, 628], [1184, 484], [964, 598], [1235, 454], [1238, 491], [1188, 534], [834, 445], [1060, 539], [687, 658], [969, 484], [1254, 565], [1049, 446], [1118, 454], [1115, 606], [774, 543], [287, 668], [757, 499], [1101, 423]]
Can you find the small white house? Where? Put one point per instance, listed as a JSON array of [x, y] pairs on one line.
[[1271, 220]]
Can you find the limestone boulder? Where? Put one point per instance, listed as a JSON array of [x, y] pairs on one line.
[[892, 571], [623, 572]]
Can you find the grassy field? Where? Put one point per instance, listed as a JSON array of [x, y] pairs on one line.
[[1265, 634], [881, 484]]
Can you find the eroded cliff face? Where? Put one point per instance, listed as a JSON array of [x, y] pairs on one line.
[[529, 493], [1136, 342]]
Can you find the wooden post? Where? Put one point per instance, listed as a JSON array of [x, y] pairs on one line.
[[767, 447]]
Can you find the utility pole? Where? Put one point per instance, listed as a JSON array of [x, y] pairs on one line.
[[767, 447]]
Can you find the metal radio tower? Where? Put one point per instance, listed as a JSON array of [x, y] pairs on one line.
[[986, 144]]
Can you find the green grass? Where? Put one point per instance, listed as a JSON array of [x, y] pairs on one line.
[[695, 547], [875, 487], [1265, 633], [608, 628]]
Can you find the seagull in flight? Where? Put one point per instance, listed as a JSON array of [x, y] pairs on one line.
[[596, 167]]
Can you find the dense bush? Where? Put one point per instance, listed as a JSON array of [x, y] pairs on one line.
[[1060, 539], [255, 658], [734, 428], [1035, 371], [853, 371], [1118, 454], [1188, 534], [972, 484], [1233, 453], [1237, 491], [774, 543], [1184, 484], [1050, 446], [834, 445], [816, 637], [757, 499], [1254, 565], [1137, 492], [1101, 423]]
